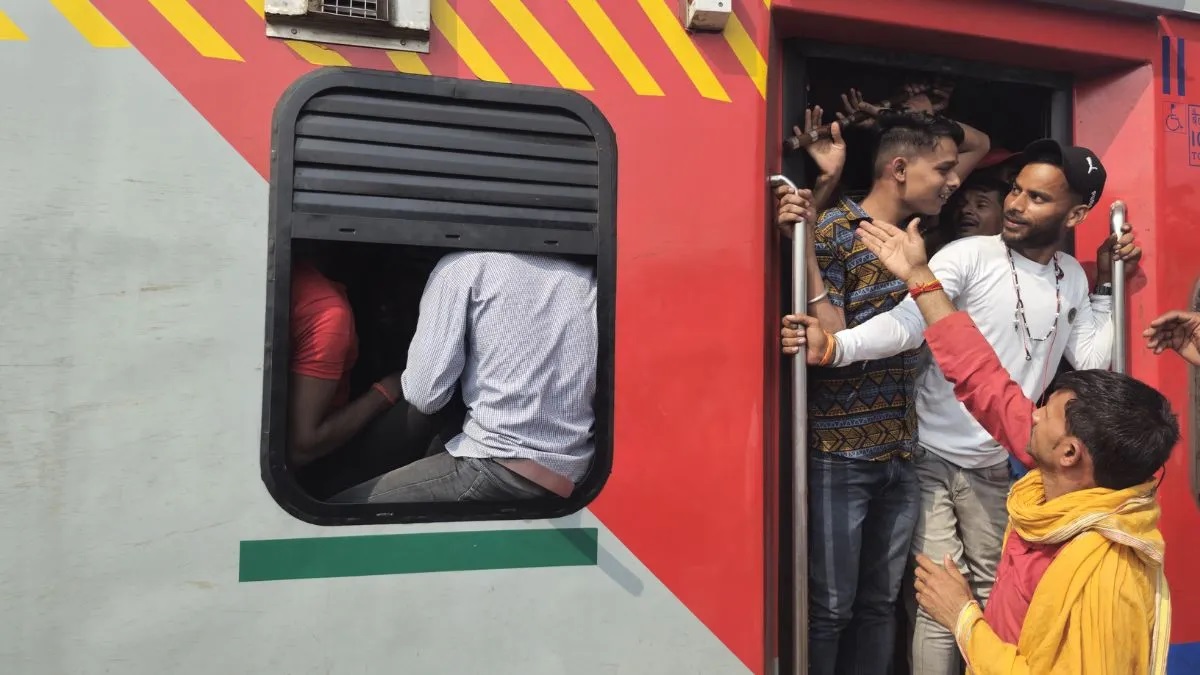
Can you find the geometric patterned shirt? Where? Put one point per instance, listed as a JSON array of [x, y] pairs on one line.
[[865, 410]]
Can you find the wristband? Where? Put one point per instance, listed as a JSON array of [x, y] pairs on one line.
[[921, 289], [820, 297], [387, 396]]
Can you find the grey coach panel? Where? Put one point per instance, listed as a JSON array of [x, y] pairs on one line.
[[379, 157], [388, 158]]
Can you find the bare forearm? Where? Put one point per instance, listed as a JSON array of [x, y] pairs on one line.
[[824, 190], [975, 145], [934, 305], [314, 442], [830, 315]]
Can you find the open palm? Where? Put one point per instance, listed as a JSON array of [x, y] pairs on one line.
[[1176, 330], [828, 153], [901, 251]]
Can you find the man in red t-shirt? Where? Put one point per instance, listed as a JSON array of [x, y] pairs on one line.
[[336, 441]]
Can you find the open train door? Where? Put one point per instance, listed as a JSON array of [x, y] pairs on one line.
[[1104, 80]]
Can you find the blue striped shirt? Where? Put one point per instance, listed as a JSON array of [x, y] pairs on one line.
[[519, 332]]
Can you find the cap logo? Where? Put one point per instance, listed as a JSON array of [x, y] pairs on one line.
[[1091, 167]]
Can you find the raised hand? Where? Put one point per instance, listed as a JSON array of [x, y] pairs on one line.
[[901, 251], [1176, 330], [828, 153], [853, 102]]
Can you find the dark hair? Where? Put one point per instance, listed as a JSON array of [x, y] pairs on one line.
[[908, 132], [1052, 160], [1127, 425], [985, 180]]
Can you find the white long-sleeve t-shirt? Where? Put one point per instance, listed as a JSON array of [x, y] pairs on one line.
[[976, 274]]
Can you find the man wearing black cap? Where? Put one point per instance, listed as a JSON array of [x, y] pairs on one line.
[[1033, 304]]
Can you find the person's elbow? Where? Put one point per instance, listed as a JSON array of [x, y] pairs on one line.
[[425, 397], [304, 446]]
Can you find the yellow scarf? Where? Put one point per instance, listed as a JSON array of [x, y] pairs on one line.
[[1105, 582]]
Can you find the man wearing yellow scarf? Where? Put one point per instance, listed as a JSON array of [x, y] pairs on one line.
[[1080, 586]]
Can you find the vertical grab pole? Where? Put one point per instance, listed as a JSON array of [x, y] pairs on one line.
[[799, 448], [1119, 308]]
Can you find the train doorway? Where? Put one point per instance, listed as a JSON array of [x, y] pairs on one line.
[[1013, 106]]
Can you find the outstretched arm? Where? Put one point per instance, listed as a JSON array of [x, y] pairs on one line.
[[1176, 330], [964, 355]]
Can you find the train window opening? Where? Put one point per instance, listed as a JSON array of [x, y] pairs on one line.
[[440, 307], [1013, 107]]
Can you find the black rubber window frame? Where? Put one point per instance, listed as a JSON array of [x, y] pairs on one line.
[[600, 243]]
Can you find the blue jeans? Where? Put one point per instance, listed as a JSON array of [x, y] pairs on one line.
[[861, 520]]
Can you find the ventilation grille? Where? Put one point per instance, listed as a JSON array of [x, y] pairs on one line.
[[375, 10], [420, 159]]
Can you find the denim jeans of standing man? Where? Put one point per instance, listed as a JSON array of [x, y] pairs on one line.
[[861, 520]]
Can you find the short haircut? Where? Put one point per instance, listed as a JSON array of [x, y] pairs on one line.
[[909, 133], [1127, 426], [985, 180]]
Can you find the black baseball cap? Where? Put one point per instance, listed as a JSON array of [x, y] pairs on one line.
[[1085, 174]]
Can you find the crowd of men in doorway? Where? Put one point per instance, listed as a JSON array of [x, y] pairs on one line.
[[923, 376]]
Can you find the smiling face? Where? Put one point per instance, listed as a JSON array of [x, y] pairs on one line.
[[1040, 208], [980, 212], [927, 177]]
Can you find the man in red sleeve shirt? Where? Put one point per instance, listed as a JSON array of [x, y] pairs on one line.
[[336, 441]]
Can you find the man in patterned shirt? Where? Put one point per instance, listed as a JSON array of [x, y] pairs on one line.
[[518, 333], [864, 495]]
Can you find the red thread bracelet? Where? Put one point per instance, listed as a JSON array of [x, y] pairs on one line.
[[921, 289], [384, 393]]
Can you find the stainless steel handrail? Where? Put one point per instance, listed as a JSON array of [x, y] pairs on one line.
[[800, 244], [1120, 317]]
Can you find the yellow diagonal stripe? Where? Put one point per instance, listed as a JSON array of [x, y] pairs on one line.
[[543, 45], [408, 62], [314, 54], [9, 30], [618, 50], [680, 44], [463, 41], [192, 26], [91, 24], [747, 53]]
